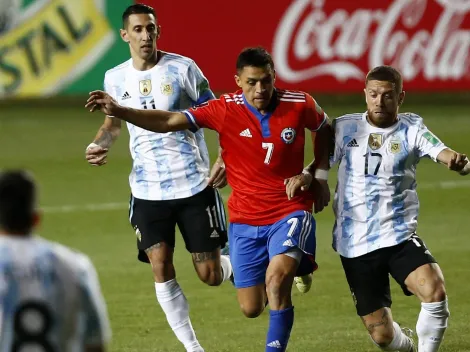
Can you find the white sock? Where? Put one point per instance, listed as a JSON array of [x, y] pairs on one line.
[[400, 342], [226, 267], [176, 308], [432, 323]]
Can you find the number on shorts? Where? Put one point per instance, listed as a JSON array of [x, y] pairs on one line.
[[212, 217], [26, 334], [293, 225]]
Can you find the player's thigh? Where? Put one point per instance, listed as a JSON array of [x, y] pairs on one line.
[[417, 271], [368, 280], [295, 231], [154, 223], [201, 220], [248, 254]]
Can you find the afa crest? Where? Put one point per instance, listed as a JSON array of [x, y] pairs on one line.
[[145, 87], [375, 141], [166, 88], [288, 135], [395, 147]]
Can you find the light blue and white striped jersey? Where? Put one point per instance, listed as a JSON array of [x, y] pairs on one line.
[[49, 295], [165, 165], [375, 203]]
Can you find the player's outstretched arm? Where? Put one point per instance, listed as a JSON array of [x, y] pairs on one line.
[[159, 121], [454, 161]]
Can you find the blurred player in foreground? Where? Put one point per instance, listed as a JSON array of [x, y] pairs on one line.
[[262, 134], [169, 182], [50, 297], [376, 208]]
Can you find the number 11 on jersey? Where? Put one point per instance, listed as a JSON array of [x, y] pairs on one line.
[[269, 153]]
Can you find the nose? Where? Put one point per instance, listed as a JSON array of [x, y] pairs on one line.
[[147, 34], [380, 100], [260, 88]]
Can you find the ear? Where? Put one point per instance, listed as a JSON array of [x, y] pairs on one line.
[[159, 31], [238, 81], [37, 218], [401, 98], [365, 94], [124, 35], [274, 76]]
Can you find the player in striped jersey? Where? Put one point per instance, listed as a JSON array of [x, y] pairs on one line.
[[262, 132], [376, 208], [50, 297], [169, 181]]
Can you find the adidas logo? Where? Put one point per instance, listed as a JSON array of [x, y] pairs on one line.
[[288, 243], [352, 144], [126, 96], [215, 234], [246, 133], [275, 344]]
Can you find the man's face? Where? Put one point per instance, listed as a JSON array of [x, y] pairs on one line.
[[382, 102], [141, 33], [257, 84]]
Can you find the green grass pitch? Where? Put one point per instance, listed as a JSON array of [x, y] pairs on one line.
[[85, 207]]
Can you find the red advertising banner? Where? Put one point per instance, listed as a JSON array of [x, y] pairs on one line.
[[325, 46]]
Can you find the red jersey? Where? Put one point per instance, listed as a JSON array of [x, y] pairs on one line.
[[261, 151]]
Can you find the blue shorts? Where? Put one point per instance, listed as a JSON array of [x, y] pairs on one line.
[[252, 247]]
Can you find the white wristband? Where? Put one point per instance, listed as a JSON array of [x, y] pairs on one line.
[[92, 145], [466, 169], [321, 174]]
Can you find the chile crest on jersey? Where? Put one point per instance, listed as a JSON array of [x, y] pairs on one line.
[[288, 135]]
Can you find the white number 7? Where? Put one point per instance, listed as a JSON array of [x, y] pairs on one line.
[[269, 154]]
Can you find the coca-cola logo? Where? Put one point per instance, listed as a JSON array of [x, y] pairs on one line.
[[346, 45]]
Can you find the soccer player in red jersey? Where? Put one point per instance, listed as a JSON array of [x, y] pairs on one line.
[[262, 134]]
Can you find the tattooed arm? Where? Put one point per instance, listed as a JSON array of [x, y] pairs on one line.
[[97, 151], [108, 132]]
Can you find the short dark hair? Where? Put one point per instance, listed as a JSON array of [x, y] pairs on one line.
[[136, 9], [387, 74], [17, 201], [256, 57]]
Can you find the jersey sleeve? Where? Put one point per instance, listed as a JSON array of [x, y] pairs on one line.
[[315, 117], [97, 327], [210, 114], [197, 85], [428, 144], [337, 154]]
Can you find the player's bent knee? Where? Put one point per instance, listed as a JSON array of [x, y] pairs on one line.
[[437, 294], [210, 276], [207, 265], [251, 310], [382, 338]]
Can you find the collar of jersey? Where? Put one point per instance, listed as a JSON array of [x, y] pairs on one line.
[[263, 119]]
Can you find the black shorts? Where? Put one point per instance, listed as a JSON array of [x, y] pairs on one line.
[[368, 275], [200, 219]]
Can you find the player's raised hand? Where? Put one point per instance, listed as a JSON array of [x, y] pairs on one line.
[[96, 155], [102, 101], [457, 162], [218, 177], [299, 182]]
